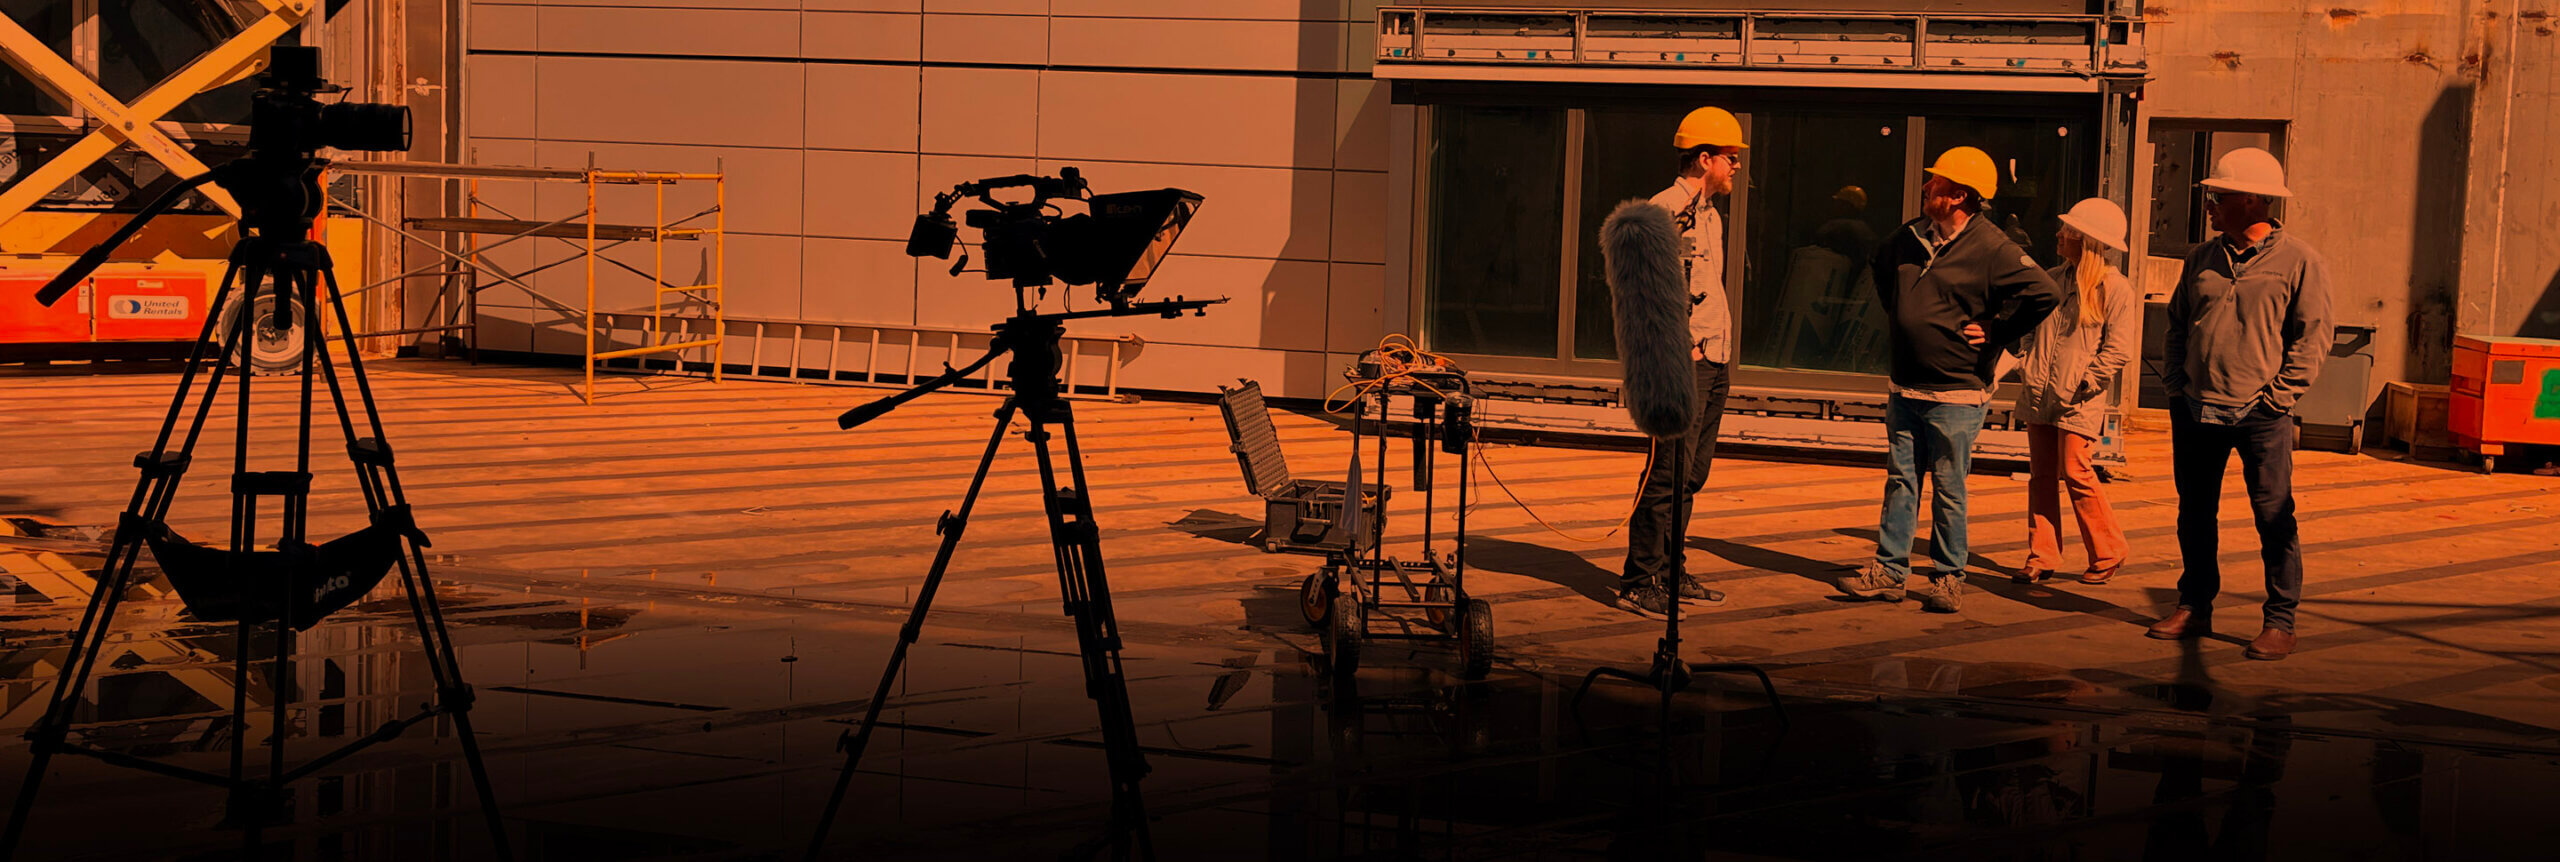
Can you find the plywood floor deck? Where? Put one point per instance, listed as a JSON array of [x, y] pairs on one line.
[[745, 522]]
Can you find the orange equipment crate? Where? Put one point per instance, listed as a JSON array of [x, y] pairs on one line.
[[2505, 391]]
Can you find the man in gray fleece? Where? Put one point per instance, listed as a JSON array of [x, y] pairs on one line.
[[2248, 328]]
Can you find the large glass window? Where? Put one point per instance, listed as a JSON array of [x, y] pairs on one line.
[[2044, 169], [1824, 183], [50, 22], [143, 42], [1824, 190], [1496, 230], [1626, 153]]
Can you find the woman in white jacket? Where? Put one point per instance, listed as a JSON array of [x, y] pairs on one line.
[[2068, 365]]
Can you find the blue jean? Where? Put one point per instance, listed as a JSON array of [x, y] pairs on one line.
[[1939, 435]]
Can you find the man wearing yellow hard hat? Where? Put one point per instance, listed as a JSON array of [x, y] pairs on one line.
[[2248, 330], [1956, 292], [1710, 147]]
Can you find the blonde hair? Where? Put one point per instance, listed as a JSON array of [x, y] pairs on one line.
[[2090, 271]]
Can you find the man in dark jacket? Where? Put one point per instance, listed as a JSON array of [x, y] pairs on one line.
[[1955, 292], [2248, 330]]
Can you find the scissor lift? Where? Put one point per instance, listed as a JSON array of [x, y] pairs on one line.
[[1388, 598]]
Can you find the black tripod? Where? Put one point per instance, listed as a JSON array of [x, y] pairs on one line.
[[283, 590], [1670, 673], [1033, 340]]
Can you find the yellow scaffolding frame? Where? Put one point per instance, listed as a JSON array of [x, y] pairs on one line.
[[658, 269], [582, 230]]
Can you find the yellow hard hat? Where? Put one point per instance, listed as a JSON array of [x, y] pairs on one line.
[[1971, 168], [1854, 196], [1709, 127]]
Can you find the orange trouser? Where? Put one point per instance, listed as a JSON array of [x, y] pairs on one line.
[[2054, 454]]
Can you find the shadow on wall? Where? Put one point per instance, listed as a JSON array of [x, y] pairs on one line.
[[2543, 319], [2435, 256]]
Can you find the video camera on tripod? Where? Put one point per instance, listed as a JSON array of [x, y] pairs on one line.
[[1115, 245], [278, 281]]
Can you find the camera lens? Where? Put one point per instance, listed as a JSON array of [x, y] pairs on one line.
[[365, 127]]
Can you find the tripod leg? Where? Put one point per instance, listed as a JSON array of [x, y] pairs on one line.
[[1087, 592], [378, 476], [951, 528]]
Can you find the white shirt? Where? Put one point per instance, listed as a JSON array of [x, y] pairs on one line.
[[1702, 254]]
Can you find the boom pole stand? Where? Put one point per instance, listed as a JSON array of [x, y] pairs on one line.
[[1670, 673], [1033, 341], [284, 590]]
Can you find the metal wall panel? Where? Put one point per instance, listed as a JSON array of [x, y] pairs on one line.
[[837, 120]]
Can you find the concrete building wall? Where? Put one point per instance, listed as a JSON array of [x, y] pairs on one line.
[[837, 121], [2415, 131], [2511, 269], [2375, 103]]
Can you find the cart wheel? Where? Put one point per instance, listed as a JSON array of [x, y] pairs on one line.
[[1315, 597], [1438, 594], [1475, 639], [2355, 439], [2488, 463], [1342, 639]]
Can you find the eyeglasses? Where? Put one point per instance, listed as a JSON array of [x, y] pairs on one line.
[[2215, 198], [1734, 159]]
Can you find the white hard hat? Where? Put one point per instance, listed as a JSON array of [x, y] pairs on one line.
[[2099, 219], [2248, 170]]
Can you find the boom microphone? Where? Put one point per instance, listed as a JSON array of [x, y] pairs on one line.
[[1650, 299]]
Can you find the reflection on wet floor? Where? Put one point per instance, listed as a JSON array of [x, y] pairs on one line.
[[624, 730]]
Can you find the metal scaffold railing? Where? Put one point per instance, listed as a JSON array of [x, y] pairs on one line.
[[2107, 43], [463, 262]]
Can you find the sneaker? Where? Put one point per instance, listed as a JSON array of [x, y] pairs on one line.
[[1945, 595], [1648, 601], [1693, 591], [1870, 582]]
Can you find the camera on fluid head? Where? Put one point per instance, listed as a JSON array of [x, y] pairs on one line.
[[285, 119], [1115, 245], [278, 183]]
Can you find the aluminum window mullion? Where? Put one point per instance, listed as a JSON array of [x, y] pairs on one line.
[[1915, 158], [1569, 269]]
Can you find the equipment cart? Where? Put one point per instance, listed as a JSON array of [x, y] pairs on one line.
[[1360, 593]]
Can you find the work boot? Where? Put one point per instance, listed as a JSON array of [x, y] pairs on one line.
[[1870, 582], [1648, 601], [1694, 591], [2270, 645], [2095, 577], [2183, 623], [1945, 595], [2029, 575]]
